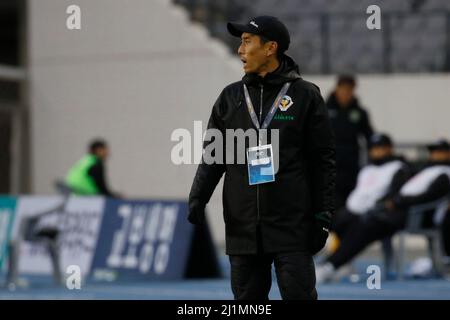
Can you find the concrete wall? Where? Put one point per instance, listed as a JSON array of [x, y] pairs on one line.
[[412, 107], [136, 72], [132, 74]]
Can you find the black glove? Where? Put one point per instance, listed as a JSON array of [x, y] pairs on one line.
[[321, 228], [196, 213]]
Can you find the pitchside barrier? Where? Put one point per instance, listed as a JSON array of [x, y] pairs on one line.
[[111, 240]]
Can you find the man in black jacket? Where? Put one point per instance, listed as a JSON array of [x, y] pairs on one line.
[[350, 123], [285, 221]]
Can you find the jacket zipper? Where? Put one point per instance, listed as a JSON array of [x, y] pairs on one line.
[[260, 119]]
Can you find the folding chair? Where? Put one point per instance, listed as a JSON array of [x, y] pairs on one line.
[[415, 226], [48, 236]]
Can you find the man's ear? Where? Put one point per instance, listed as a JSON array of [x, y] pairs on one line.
[[273, 47]]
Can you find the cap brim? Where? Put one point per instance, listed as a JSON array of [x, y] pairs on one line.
[[237, 29]]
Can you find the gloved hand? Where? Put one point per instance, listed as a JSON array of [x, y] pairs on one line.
[[320, 232], [196, 213]]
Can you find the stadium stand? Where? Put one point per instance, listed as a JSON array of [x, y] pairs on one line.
[[324, 29]]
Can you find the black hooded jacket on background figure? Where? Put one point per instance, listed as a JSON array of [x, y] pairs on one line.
[[304, 185], [348, 125]]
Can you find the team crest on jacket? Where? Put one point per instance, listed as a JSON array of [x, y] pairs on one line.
[[285, 103]]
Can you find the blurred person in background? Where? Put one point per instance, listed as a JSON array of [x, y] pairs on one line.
[[88, 175], [429, 184], [380, 179], [350, 123]]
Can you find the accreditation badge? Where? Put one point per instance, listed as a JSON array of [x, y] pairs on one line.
[[260, 164]]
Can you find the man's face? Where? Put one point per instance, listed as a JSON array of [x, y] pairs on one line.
[[380, 152], [344, 94], [253, 53], [102, 153], [439, 156]]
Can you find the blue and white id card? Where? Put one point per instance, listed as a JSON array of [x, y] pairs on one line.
[[260, 164]]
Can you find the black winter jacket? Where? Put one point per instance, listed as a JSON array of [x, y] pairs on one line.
[[283, 210], [348, 125]]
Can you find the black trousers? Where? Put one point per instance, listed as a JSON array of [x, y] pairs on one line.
[[345, 183], [251, 276], [343, 221], [357, 232]]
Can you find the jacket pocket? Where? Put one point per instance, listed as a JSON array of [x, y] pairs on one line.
[[237, 199]]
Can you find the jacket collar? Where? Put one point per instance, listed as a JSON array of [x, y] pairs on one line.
[[437, 163], [383, 161], [333, 104], [287, 71]]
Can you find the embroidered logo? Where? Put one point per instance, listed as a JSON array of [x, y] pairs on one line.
[[285, 103]]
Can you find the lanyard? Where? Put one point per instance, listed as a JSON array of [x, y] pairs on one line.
[[272, 111]]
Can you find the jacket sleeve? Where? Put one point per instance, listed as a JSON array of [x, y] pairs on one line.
[[208, 175], [438, 189], [399, 179], [97, 172], [366, 126], [321, 155]]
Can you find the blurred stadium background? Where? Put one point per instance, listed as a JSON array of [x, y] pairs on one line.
[[138, 70]]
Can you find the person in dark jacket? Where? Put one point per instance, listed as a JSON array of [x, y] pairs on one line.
[[351, 124], [285, 221], [87, 176], [429, 184]]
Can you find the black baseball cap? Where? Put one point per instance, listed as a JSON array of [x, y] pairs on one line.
[[266, 26], [440, 145], [380, 140]]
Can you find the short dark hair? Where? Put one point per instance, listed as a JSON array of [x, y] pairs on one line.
[[346, 79], [264, 40], [97, 144]]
